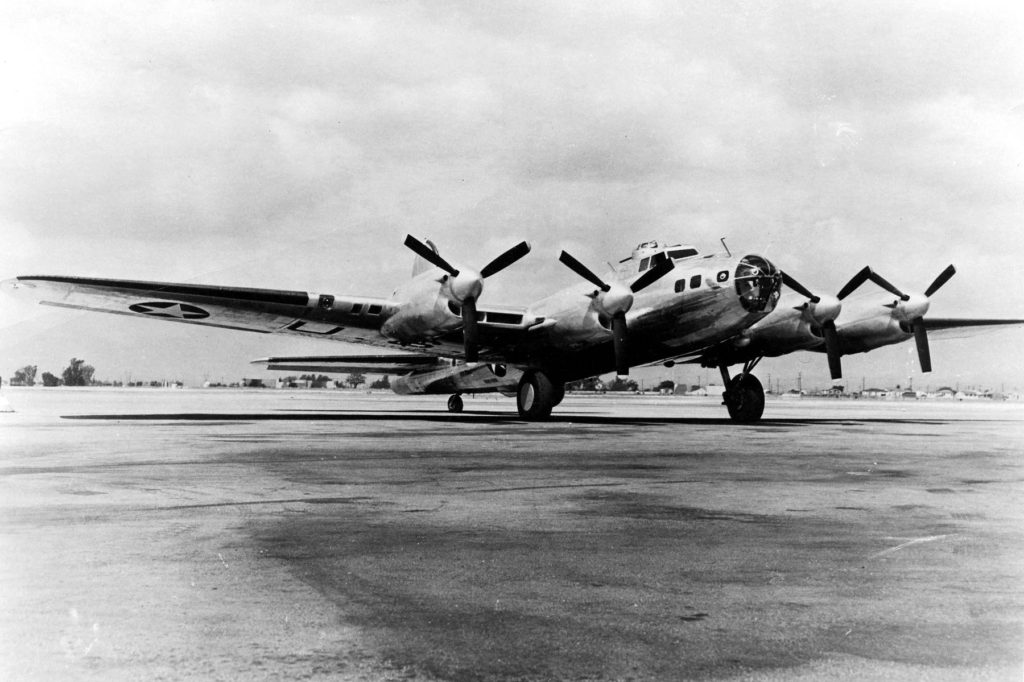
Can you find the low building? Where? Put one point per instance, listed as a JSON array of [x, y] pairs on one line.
[[878, 393], [713, 390]]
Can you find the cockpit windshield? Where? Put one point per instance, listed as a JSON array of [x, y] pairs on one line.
[[675, 254], [758, 283]]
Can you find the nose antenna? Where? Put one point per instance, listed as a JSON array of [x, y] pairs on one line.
[[727, 251]]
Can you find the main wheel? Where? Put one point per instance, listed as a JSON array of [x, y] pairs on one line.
[[745, 399], [536, 396], [558, 389], [455, 403]]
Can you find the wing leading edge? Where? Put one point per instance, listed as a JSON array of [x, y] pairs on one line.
[[944, 323]]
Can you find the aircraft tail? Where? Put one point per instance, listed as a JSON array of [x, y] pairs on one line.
[[421, 265]]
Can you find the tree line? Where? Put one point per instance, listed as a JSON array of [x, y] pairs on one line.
[[77, 373], [354, 380], [616, 384]]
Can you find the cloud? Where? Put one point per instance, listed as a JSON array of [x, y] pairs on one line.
[[270, 145]]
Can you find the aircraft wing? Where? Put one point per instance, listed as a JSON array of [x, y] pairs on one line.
[[730, 353], [268, 311], [255, 310], [956, 328]]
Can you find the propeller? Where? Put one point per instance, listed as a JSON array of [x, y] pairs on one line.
[[615, 299], [910, 309], [855, 281], [822, 311], [465, 286]]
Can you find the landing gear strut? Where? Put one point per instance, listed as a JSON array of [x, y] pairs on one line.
[[455, 403], [744, 395], [537, 395]]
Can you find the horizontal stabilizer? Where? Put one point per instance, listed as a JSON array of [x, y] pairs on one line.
[[377, 364]]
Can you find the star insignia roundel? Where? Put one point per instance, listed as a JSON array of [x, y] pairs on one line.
[[169, 309]]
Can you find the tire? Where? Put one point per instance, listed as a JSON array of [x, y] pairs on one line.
[[745, 399], [559, 394], [455, 403], [535, 397]]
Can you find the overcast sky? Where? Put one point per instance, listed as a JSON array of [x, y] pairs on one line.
[[293, 145]]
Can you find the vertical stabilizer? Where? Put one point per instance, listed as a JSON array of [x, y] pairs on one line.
[[421, 265]]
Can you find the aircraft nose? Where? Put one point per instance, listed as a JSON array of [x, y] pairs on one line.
[[758, 283]]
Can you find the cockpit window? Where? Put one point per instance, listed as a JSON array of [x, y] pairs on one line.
[[757, 283], [644, 263], [682, 253]]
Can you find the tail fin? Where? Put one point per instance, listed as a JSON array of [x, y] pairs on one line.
[[421, 265]]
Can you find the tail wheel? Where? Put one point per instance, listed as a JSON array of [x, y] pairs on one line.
[[455, 403], [745, 399], [536, 396]]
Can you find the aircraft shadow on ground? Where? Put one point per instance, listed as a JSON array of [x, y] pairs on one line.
[[480, 417]]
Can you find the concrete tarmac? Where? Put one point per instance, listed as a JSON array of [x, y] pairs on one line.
[[219, 534]]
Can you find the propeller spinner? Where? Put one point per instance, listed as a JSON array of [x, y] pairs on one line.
[[467, 285], [615, 299]]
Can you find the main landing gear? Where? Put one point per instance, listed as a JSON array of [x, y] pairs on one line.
[[537, 395], [744, 395]]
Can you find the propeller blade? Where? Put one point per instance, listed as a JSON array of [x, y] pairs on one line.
[[619, 344], [855, 282], [429, 255], [470, 336], [923, 353], [506, 259], [940, 280], [798, 288], [663, 267], [835, 364], [885, 284], [582, 270]]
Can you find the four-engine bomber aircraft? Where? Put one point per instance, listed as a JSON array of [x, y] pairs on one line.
[[717, 310]]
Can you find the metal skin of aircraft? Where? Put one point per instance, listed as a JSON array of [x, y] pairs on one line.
[[718, 310], [835, 326]]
